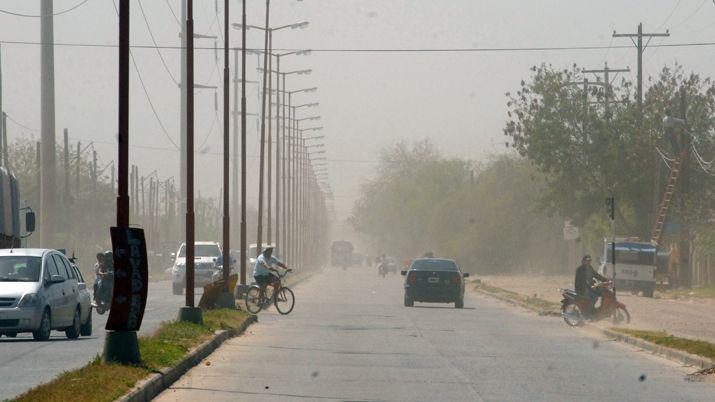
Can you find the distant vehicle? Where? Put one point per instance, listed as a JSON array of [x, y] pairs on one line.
[[11, 232], [434, 280], [341, 253], [205, 256], [41, 291], [635, 266], [386, 266], [218, 268]]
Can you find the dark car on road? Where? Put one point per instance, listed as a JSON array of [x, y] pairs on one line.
[[434, 280]]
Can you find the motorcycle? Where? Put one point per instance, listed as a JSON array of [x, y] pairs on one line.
[[103, 299], [382, 269], [575, 309]]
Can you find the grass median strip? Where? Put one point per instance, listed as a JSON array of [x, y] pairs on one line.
[[661, 338], [533, 302], [166, 347]]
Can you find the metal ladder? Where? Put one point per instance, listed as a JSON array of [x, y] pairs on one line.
[[667, 198]]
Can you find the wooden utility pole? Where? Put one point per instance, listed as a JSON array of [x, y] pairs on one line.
[[243, 239], [67, 167], [685, 246], [640, 48], [226, 158], [607, 89]]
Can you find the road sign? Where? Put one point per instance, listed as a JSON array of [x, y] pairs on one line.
[[131, 279]]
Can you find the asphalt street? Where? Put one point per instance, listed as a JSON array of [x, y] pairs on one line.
[[25, 363], [350, 338]]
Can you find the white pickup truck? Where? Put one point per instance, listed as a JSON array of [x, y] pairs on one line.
[[635, 265]]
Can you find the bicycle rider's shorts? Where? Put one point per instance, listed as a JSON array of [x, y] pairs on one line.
[[263, 280]]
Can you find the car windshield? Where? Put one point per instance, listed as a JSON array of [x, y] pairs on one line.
[[442, 265], [202, 250], [20, 268]]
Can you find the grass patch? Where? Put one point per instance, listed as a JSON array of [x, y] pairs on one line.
[[696, 347], [532, 301], [106, 382], [705, 292]]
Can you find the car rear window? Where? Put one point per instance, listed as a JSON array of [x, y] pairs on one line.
[[429, 264]]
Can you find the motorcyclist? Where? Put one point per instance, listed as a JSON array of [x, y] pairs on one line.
[[584, 281], [99, 265]]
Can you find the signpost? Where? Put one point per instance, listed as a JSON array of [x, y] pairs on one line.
[[131, 279]]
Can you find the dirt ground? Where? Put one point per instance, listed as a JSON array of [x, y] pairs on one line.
[[685, 317]]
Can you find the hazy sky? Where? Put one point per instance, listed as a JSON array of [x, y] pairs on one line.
[[367, 100]]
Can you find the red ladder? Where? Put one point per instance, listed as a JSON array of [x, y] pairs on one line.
[[667, 198]]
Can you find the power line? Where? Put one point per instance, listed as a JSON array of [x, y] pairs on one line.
[[153, 39], [377, 50], [40, 16], [146, 91], [172, 12]]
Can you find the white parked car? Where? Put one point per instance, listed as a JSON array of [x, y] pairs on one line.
[[205, 256], [41, 291]]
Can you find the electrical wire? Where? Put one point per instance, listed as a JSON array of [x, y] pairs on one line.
[[21, 125], [153, 39], [664, 155], [373, 50], [146, 91], [172, 13], [76, 6]]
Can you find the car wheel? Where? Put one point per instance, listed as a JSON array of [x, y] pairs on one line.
[[86, 328], [648, 291], [409, 302], [459, 303], [43, 332], [72, 332], [177, 288]]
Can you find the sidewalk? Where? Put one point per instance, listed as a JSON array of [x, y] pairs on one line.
[[689, 318]]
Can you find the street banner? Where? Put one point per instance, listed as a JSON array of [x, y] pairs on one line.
[[131, 279]]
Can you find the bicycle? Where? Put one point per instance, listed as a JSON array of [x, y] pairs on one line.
[[282, 297]]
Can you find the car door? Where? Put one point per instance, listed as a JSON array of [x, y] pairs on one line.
[[71, 287], [56, 293]]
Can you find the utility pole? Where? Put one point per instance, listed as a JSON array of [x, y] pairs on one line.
[[189, 312], [259, 231], [38, 159], [685, 276], [278, 152], [608, 90], [640, 48], [243, 255], [3, 133], [67, 167], [229, 301], [48, 194], [270, 140], [236, 136], [3, 129]]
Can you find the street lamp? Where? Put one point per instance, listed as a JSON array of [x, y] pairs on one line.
[[266, 62]]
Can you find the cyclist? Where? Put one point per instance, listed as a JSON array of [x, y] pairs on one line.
[[265, 263]]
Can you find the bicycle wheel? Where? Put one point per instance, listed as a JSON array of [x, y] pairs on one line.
[[285, 300], [253, 300]]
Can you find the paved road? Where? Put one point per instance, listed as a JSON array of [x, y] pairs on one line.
[[25, 363], [350, 338]]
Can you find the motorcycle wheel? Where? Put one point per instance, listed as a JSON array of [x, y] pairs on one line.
[[572, 315], [620, 315]]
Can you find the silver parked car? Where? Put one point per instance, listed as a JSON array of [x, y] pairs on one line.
[[40, 290]]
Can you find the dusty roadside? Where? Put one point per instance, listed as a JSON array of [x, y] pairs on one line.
[[685, 317]]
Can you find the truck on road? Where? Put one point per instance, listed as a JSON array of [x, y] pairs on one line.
[[635, 265]]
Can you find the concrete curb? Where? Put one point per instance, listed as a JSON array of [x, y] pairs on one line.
[[663, 351], [669, 353], [152, 386]]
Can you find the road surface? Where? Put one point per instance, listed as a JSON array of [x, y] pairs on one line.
[[25, 363], [350, 338]]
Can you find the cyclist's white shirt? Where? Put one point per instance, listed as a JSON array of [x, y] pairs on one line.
[[259, 269]]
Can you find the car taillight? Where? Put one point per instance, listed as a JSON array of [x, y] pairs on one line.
[[411, 278], [456, 279]]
